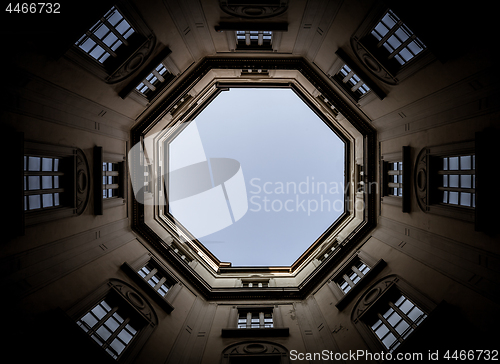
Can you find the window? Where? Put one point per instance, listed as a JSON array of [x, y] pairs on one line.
[[110, 326], [255, 319], [254, 39], [445, 180], [396, 38], [255, 284], [106, 36], [458, 181], [351, 79], [160, 75], [110, 180], [43, 182], [352, 82], [50, 189], [116, 45], [395, 179], [388, 48], [116, 318], [252, 321], [395, 320], [352, 275], [156, 280], [390, 313]]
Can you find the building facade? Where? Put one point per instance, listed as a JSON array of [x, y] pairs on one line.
[[94, 269]]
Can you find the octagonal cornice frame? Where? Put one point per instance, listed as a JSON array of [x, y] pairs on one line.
[[326, 88]]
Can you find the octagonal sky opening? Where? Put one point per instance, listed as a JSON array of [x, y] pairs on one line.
[[256, 177]]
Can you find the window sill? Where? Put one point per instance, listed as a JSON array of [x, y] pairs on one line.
[[349, 296], [267, 332]]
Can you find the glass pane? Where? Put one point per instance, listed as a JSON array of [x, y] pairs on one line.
[[415, 47], [125, 336], [87, 45], [110, 39], [97, 52], [56, 181], [35, 202], [465, 198], [112, 324], [89, 319], [415, 314], [114, 18], [117, 346], [406, 54], [48, 200], [394, 319], [453, 163], [103, 332], [402, 34], [46, 182], [123, 27], [118, 317], [99, 311], [401, 327], [131, 329], [445, 164], [389, 340], [466, 181], [101, 31], [382, 331], [389, 19], [406, 306], [453, 179], [465, 162], [445, 180], [34, 182], [34, 164], [453, 198], [46, 164], [56, 199]]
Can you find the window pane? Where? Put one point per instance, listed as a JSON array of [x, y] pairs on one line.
[[401, 327], [114, 18], [89, 319], [46, 164], [125, 336], [56, 199], [445, 164], [453, 180], [99, 311], [466, 181], [453, 198], [103, 332], [87, 45], [445, 196], [110, 39], [445, 180], [101, 31], [389, 340], [97, 52], [34, 164], [465, 162], [465, 198], [117, 346], [382, 331], [34, 182], [453, 163], [415, 314], [35, 202], [46, 182]]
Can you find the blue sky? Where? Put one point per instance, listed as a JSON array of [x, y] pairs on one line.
[[286, 153]]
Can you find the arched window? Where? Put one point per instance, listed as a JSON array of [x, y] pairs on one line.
[[117, 318], [389, 312]]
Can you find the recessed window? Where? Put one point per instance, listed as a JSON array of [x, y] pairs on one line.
[[395, 179], [110, 326], [352, 275], [104, 38], [154, 278], [395, 320], [159, 77], [396, 38], [255, 319], [254, 39], [352, 83], [110, 180], [458, 181], [42, 183]]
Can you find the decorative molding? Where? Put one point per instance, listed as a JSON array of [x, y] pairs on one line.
[[251, 10]]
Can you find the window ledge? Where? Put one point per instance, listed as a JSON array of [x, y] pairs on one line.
[[349, 296], [162, 302], [266, 332]]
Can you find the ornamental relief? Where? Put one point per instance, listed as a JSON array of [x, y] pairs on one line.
[[371, 296], [421, 179], [82, 182], [371, 63], [247, 9]]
